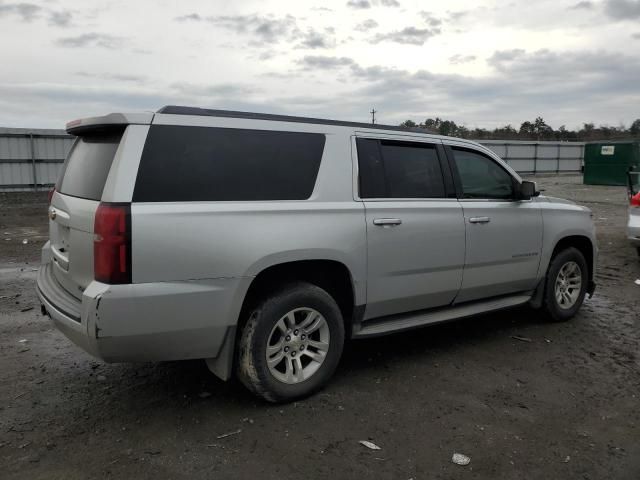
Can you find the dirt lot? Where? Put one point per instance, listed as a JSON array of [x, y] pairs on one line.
[[562, 405]]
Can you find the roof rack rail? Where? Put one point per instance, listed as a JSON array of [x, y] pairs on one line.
[[182, 110]]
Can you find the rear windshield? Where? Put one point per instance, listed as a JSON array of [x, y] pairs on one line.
[[86, 168], [182, 164]]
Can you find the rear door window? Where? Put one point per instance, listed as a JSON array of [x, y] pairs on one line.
[[393, 169], [87, 166], [182, 163]]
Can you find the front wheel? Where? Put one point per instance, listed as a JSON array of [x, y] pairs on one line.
[[291, 343], [566, 284]]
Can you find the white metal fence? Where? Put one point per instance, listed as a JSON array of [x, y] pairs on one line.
[[539, 157], [31, 159]]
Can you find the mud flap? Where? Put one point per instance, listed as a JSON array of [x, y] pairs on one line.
[[538, 294], [222, 365]]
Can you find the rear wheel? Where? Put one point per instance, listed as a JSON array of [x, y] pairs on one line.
[[291, 343], [566, 284]]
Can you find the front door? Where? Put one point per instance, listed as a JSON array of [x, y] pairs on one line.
[[503, 235], [415, 229]]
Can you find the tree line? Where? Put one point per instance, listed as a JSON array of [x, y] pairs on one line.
[[536, 130]]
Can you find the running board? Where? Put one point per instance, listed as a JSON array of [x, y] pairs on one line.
[[407, 321]]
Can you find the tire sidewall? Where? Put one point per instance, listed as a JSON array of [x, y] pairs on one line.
[[555, 311], [269, 313]]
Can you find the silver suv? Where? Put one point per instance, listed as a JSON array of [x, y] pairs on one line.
[[261, 242]]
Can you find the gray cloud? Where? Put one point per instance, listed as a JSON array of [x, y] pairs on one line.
[[60, 18], [364, 4], [526, 84], [459, 59], [366, 25], [26, 11], [189, 17], [313, 39], [522, 86], [429, 19], [407, 36], [321, 62], [584, 5], [217, 90], [636, 35], [266, 29], [91, 40], [457, 15], [359, 4], [501, 58], [75, 101], [622, 9], [267, 55], [119, 77]]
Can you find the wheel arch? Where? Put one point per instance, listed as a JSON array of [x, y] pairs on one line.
[[583, 244], [329, 274]]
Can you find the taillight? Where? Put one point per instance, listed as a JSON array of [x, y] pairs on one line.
[[635, 200], [112, 243], [50, 194]]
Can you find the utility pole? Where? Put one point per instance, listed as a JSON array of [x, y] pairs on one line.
[[373, 115]]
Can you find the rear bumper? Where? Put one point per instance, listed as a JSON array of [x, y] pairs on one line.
[[143, 322]]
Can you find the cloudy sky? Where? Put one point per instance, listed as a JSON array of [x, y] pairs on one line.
[[478, 63]]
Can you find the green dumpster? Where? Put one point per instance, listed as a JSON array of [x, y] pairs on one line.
[[607, 163]]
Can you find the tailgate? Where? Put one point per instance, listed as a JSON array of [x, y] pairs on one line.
[[73, 206]]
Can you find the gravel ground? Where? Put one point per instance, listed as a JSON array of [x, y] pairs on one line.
[[560, 402]]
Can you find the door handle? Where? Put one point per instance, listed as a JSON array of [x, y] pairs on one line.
[[479, 220], [387, 222]]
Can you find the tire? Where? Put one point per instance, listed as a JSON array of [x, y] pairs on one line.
[[272, 324], [571, 300]]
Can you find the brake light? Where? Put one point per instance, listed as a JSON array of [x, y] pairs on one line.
[[635, 200], [112, 243], [50, 194]]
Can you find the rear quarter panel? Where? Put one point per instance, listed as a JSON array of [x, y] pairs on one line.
[[175, 241]]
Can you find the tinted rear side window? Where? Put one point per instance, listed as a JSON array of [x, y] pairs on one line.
[[392, 169], [223, 164], [87, 166]]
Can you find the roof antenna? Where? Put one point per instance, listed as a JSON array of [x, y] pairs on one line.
[[373, 115]]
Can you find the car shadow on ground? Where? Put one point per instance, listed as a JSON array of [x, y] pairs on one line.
[[190, 381]]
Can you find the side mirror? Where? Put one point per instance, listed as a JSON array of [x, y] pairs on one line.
[[526, 190]]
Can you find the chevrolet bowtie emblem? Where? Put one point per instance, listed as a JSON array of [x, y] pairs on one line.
[[52, 214]]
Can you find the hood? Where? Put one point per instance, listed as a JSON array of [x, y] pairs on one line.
[[544, 198]]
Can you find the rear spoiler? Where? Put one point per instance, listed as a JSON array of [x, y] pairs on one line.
[[84, 125]]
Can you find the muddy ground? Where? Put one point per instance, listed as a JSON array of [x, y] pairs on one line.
[[563, 405]]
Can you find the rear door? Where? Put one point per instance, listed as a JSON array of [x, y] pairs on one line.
[[73, 206], [503, 235], [415, 227]]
